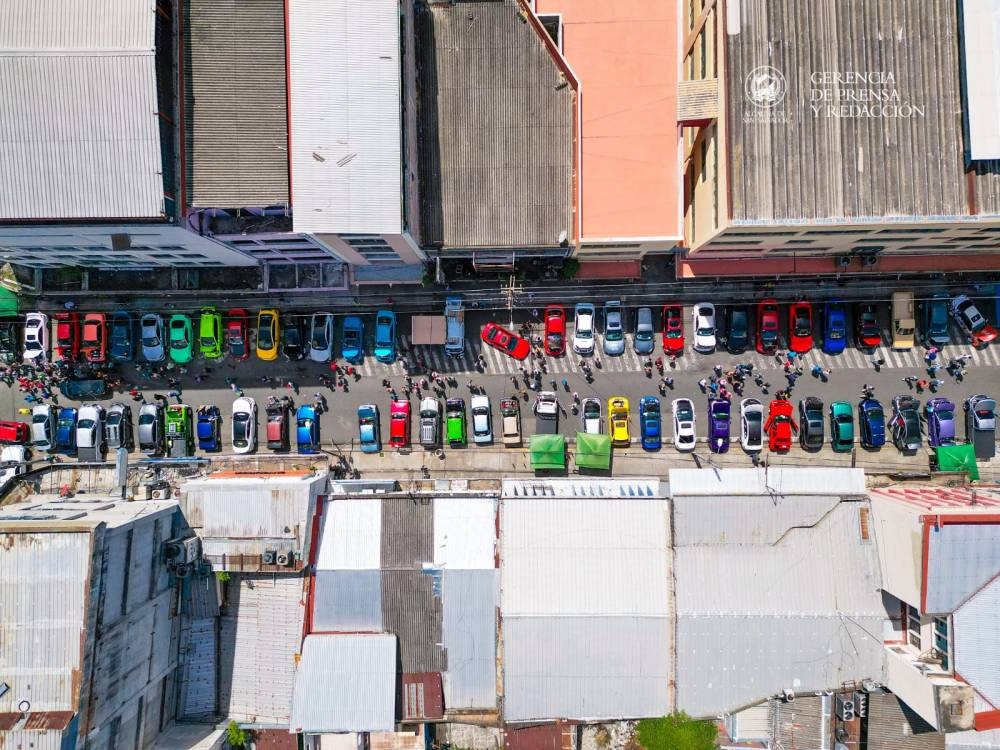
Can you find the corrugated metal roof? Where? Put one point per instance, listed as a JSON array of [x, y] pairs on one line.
[[802, 613], [892, 725], [750, 725], [470, 599], [960, 559], [407, 533], [590, 556], [198, 669], [347, 600], [346, 116], [259, 636], [411, 608], [976, 641], [540, 737], [806, 723], [237, 134], [773, 481], [345, 683], [586, 667], [44, 584], [38, 740], [745, 518], [948, 499], [973, 740], [496, 122], [423, 697], [632, 487], [465, 533], [351, 535], [80, 136]]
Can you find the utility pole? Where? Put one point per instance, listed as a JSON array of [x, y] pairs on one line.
[[511, 290]]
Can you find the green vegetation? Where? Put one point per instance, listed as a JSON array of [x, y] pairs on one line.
[[235, 736], [676, 732], [223, 576], [570, 268]]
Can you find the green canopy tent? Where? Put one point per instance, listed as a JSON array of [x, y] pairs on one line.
[[8, 301], [548, 452], [961, 457], [593, 451]]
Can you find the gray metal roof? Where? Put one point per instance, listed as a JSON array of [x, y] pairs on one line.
[[803, 612], [345, 683], [581, 488], [411, 608], [960, 559], [259, 636], [347, 600], [586, 667], [980, 58], [771, 482], [973, 740], [976, 641], [751, 518], [792, 163], [470, 599], [407, 533], [236, 117], [892, 725], [350, 535], [496, 130], [79, 135]]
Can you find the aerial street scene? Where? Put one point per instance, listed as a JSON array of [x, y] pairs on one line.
[[499, 374]]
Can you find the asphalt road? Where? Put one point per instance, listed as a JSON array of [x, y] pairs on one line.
[[618, 376]]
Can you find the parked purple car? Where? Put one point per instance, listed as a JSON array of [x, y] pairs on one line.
[[718, 429], [940, 413]]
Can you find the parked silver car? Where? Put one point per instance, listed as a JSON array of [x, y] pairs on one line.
[[151, 335], [614, 329], [321, 337], [644, 341], [151, 429], [118, 427]]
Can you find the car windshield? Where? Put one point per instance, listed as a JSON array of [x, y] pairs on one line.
[[945, 415], [511, 343], [351, 337], [146, 419], [319, 337], [114, 418], [369, 420], [875, 414], [705, 330], [555, 339], [684, 412], [151, 340], [305, 422], [613, 334], [802, 327], [39, 419], [85, 424], [265, 336], [179, 343], [843, 418], [208, 342], [583, 327], [291, 336]]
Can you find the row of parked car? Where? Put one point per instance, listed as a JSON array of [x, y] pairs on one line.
[[742, 327], [98, 338]]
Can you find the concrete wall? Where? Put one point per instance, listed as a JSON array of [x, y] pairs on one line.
[[897, 533]]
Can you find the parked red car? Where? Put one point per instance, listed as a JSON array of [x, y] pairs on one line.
[[555, 330], [14, 432], [800, 327], [779, 425], [238, 333], [767, 326], [67, 344], [94, 346], [399, 424], [509, 343], [673, 329]]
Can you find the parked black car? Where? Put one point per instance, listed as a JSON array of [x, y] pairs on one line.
[[10, 340], [293, 336], [738, 329]]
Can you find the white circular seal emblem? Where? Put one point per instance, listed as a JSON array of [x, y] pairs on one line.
[[765, 86]]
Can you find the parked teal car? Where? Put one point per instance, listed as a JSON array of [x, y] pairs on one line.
[[385, 336], [181, 339]]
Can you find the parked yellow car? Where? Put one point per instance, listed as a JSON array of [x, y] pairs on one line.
[[618, 421], [267, 335]]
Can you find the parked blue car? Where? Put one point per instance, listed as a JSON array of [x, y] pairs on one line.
[[352, 339], [66, 431], [718, 425], [650, 423], [307, 429], [122, 336], [369, 431], [209, 428], [871, 419], [940, 414], [385, 336], [834, 327]]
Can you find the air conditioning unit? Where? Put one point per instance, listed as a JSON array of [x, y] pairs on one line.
[[182, 551], [788, 696], [183, 571], [192, 550], [861, 704], [869, 260], [845, 707], [286, 559], [270, 556], [161, 493], [844, 261]]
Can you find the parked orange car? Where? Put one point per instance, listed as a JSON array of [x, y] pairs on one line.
[[94, 343]]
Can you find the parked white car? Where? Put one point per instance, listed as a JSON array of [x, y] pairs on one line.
[[43, 427], [90, 427], [684, 424], [36, 337], [751, 425], [482, 419], [704, 327], [13, 462], [590, 416], [244, 425], [321, 337], [583, 328]]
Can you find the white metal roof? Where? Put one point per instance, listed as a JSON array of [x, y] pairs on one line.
[[345, 683], [976, 639], [631, 487], [981, 66], [346, 116], [79, 131], [772, 481], [464, 533], [351, 535], [598, 556]]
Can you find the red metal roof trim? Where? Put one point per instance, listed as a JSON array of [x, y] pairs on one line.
[[929, 498], [541, 737], [987, 720], [423, 696]]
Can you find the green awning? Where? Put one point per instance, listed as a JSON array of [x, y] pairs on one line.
[[8, 301], [961, 457], [548, 452], [593, 451]]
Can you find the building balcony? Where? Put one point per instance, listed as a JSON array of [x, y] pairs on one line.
[[941, 700]]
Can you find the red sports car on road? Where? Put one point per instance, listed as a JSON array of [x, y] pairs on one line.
[[673, 329], [509, 343], [238, 334], [779, 425], [555, 330], [800, 327], [399, 424], [767, 326]]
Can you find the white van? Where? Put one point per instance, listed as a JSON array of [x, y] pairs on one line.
[[904, 323]]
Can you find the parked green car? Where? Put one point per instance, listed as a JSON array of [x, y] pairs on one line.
[[181, 339], [210, 333], [455, 422], [841, 426]]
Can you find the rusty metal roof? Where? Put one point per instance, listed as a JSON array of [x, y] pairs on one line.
[[423, 697]]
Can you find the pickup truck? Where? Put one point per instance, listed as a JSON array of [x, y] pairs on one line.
[[510, 416], [980, 425], [546, 414], [454, 327], [178, 428]]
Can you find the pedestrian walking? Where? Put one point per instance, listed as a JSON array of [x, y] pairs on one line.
[[931, 355], [922, 385], [817, 371], [909, 380], [703, 384], [669, 382]]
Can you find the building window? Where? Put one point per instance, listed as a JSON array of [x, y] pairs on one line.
[[941, 641], [553, 26], [371, 247], [913, 627]]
